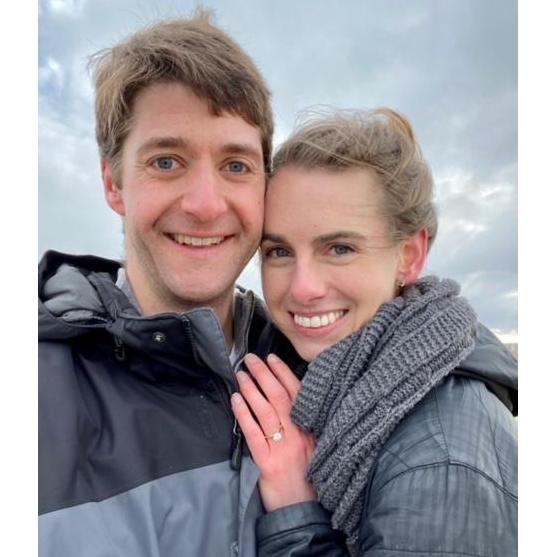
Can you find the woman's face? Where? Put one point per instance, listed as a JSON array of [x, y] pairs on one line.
[[327, 259]]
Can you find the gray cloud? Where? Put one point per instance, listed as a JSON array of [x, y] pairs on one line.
[[450, 66]]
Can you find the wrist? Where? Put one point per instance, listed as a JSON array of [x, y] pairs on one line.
[[277, 499]]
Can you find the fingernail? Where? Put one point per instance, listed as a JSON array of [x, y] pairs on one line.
[[235, 399], [241, 376], [250, 358], [272, 358]]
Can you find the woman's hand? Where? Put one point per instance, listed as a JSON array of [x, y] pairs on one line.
[[281, 450]]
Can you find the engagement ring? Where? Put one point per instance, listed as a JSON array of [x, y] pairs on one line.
[[277, 436]]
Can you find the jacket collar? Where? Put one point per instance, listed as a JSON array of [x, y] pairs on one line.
[[79, 295]]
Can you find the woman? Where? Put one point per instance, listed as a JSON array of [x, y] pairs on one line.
[[402, 421]]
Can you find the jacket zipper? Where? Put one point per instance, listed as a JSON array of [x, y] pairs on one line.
[[225, 393], [119, 349], [237, 443], [236, 457]]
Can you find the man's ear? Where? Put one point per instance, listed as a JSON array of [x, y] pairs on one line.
[[413, 257], [112, 193]]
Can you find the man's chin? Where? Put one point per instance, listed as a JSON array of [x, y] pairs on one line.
[[203, 293]]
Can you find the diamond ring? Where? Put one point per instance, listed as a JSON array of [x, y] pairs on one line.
[[277, 436]]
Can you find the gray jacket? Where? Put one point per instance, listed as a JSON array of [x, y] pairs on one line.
[[445, 482], [139, 455]]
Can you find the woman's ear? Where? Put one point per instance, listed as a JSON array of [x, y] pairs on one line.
[[112, 192], [413, 257]]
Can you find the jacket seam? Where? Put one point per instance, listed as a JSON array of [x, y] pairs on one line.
[[454, 463], [71, 328], [283, 533], [443, 447], [440, 424], [492, 435], [70, 503], [429, 552], [395, 456], [419, 440]]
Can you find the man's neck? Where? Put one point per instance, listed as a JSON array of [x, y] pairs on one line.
[[147, 304]]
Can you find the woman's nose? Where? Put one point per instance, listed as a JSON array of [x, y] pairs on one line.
[[307, 283]]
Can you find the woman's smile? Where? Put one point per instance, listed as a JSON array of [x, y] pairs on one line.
[[328, 260]]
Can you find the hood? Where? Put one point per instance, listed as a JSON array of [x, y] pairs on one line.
[[80, 292], [70, 301], [78, 296], [492, 363]]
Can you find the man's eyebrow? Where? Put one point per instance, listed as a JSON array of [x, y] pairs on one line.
[[162, 143], [242, 149], [270, 237], [181, 143]]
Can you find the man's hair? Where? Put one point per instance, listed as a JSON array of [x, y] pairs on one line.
[[380, 140], [192, 52]]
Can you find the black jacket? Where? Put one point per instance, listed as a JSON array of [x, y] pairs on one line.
[[445, 482], [138, 450]]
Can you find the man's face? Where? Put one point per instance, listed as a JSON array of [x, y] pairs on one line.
[[191, 197]]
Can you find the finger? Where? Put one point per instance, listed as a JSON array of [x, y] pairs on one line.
[[255, 438], [284, 375], [273, 390], [264, 412]]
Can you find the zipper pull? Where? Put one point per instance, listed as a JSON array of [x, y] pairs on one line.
[[236, 457], [119, 349]]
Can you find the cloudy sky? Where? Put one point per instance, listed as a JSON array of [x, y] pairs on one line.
[[449, 65]]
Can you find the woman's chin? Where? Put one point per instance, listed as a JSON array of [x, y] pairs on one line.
[[309, 350]]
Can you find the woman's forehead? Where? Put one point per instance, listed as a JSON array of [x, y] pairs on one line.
[[322, 201]]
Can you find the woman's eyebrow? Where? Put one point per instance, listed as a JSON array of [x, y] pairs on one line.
[[339, 235], [323, 239]]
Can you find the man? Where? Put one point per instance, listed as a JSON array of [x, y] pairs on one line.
[[138, 448]]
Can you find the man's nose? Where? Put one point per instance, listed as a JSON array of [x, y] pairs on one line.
[[307, 282], [204, 198]]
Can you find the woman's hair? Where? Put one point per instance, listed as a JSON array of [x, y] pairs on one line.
[[380, 140], [192, 52]]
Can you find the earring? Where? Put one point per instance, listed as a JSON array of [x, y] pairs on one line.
[[401, 284]]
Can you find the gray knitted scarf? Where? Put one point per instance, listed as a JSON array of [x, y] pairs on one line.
[[355, 393]]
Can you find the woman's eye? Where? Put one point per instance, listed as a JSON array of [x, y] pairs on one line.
[[341, 249], [237, 167], [165, 163]]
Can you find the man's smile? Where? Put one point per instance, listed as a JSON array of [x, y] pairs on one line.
[[202, 241]]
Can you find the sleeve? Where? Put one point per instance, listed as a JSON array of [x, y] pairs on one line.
[[445, 509], [301, 530]]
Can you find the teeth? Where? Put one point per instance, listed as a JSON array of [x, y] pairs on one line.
[[196, 241], [316, 321]]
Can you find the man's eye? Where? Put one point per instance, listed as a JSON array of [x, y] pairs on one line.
[[165, 163], [276, 252], [341, 249], [237, 167]]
